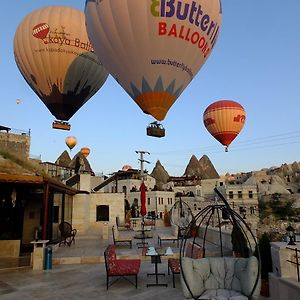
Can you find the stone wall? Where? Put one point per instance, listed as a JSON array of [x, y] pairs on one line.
[[15, 143], [84, 212]]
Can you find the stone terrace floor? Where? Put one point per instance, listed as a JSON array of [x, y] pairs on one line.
[[78, 272]]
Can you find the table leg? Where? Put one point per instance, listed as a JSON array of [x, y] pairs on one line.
[[156, 276]]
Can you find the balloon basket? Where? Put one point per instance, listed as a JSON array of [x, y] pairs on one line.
[[61, 125], [156, 130]]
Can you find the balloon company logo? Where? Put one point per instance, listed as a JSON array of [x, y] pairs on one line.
[[58, 36], [192, 13], [209, 121], [239, 118]]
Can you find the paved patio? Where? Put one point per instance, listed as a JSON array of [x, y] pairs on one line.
[[78, 272]]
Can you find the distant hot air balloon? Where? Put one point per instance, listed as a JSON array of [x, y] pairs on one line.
[[125, 168], [56, 58], [224, 120], [71, 142], [153, 48], [85, 151]]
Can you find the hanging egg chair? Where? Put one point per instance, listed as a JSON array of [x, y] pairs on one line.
[[181, 215], [229, 267]]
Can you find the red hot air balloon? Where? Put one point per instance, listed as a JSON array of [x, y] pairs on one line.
[[224, 120]]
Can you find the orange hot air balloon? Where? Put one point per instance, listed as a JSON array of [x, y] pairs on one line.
[[224, 120], [85, 151], [71, 142]]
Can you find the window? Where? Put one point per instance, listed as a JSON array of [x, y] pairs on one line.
[[250, 194], [102, 213], [251, 210], [55, 214], [148, 201], [162, 200], [240, 194], [124, 188], [221, 183], [231, 195]]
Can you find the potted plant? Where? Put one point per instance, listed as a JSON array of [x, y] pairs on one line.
[[193, 228], [266, 262], [167, 218], [239, 241]]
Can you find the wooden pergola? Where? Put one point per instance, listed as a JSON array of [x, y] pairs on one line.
[[44, 182]]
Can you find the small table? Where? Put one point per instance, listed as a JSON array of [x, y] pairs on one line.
[[156, 259]]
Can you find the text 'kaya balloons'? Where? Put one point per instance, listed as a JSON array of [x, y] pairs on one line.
[[54, 55], [153, 48], [224, 120], [71, 142]]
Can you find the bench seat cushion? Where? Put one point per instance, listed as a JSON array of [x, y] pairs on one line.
[[174, 264], [125, 267]]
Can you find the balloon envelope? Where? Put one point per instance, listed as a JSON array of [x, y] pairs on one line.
[[224, 120], [85, 151], [153, 48], [71, 142], [54, 55]]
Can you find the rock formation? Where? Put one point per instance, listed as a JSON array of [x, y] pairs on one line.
[[160, 174], [202, 168]]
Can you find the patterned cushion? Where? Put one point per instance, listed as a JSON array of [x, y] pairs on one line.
[[125, 267], [174, 264], [193, 251], [110, 253], [120, 266]]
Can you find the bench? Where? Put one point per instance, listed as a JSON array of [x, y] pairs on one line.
[[67, 233], [193, 250], [120, 240], [119, 267], [173, 236]]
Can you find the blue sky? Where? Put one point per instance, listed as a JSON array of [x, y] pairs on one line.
[[255, 62]]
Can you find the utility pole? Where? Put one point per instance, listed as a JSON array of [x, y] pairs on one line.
[[142, 160]]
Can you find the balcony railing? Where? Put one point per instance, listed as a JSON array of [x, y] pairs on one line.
[[297, 260]]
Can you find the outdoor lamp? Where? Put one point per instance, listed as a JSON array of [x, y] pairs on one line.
[[291, 234]]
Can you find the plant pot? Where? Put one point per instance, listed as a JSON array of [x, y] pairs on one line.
[[264, 290]]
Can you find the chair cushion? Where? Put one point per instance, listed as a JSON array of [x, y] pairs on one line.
[[220, 273], [222, 294], [111, 256], [125, 267], [174, 264]]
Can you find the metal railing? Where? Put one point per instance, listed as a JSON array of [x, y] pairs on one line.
[[297, 263]]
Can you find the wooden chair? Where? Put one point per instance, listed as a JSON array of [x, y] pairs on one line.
[[122, 226], [119, 267], [193, 250], [120, 240], [174, 236], [67, 233]]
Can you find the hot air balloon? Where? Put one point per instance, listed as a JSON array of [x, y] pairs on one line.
[[224, 120], [85, 151], [56, 58], [153, 48], [71, 142]]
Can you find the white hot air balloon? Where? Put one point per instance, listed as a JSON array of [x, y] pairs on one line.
[[154, 48]]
